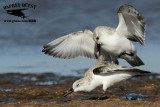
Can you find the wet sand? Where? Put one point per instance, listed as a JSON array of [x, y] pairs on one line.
[[38, 90]]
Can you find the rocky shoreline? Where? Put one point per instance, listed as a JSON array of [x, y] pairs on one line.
[[36, 90]]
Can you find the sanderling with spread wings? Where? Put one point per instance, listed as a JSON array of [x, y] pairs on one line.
[[114, 43], [105, 75]]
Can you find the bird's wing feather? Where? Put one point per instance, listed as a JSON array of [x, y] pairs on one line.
[[76, 44], [131, 24], [112, 68]]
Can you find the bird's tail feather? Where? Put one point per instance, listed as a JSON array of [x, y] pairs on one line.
[[135, 61]]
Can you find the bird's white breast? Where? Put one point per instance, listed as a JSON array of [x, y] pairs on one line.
[[110, 80], [116, 44]]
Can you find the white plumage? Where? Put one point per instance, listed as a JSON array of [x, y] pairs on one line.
[[114, 42], [105, 75]]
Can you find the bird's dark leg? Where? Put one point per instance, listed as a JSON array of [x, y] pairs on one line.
[[116, 62], [102, 96], [113, 61], [110, 58]]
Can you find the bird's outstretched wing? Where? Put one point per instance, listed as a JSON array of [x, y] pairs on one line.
[[113, 68], [76, 44], [131, 24]]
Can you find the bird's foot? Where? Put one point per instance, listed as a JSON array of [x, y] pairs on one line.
[[103, 96]]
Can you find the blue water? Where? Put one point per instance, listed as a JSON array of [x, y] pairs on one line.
[[21, 43]]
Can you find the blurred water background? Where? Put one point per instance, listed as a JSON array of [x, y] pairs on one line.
[[21, 43]]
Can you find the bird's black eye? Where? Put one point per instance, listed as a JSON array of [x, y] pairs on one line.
[[77, 85], [97, 38], [129, 11]]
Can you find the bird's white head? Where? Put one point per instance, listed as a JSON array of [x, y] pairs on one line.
[[100, 33], [97, 37], [80, 85]]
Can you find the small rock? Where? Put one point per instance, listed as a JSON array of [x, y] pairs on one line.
[[134, 96]]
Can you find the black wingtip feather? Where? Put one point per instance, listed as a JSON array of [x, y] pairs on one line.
[[136, 62]]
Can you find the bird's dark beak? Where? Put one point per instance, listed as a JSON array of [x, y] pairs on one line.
[[98, 48], [68, 92]]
